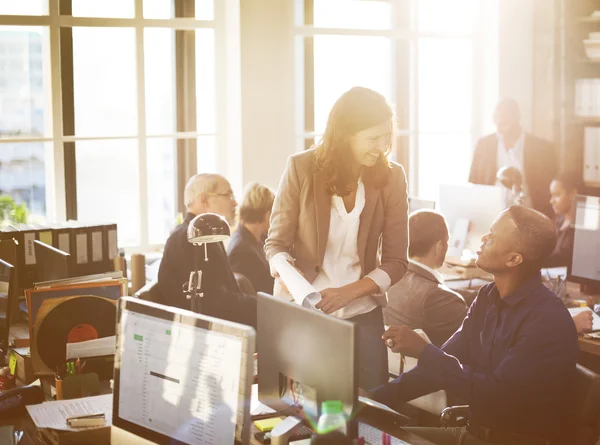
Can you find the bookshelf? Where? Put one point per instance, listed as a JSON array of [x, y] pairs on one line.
[[575, 21]]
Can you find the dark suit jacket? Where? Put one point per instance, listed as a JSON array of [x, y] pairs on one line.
[[247, 257], [222, 298], [420, 301], [563, 251], [539, 163]]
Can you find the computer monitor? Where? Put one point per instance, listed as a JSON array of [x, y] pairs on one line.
[[51, 263], [304, 357], [415, 204], [479, 204], [585, 264], [180, 377]]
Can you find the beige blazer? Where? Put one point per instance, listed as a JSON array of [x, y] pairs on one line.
[[300, 221]]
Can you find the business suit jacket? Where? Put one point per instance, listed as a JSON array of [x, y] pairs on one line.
[[420, 301], [222, 298], [247, 257], [301, 213], [539, 163]]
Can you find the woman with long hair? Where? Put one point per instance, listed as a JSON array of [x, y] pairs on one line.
[[336, 204]]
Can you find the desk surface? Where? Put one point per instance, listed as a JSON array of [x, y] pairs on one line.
[[25, 424]]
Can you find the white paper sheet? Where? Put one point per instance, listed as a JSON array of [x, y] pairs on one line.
[[54, 414], [92, 348], [302, 291], [255, 406]]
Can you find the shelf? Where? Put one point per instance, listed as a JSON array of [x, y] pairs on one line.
[[589, 19], [588, 119]]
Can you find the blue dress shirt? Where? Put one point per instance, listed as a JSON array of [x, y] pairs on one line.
[[513, 361]]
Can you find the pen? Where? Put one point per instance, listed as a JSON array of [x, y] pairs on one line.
[[78, 362]]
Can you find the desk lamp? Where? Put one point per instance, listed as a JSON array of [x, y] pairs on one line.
[[512, 179], [203, 229]]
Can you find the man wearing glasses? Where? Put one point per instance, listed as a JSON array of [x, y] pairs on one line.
[[204, 193]]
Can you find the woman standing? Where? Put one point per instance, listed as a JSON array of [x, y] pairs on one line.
[[335, 203]]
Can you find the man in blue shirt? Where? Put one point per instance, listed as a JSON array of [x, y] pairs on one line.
[[513, 360]]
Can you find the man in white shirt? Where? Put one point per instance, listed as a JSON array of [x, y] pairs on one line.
[[420, 300], [511, 146]]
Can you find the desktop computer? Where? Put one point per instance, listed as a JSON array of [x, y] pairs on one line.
[[180, 377], [304, 358], [469, 210], [585, 264], [415, 204]]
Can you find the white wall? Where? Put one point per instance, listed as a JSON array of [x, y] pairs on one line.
[[267, 48], [516, 55]]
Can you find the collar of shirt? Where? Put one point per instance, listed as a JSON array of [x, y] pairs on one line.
[[521, 292], [518, 146], [438, 276]]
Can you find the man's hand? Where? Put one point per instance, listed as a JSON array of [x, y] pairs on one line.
[[404, 340], [333, 299], [583, 321]]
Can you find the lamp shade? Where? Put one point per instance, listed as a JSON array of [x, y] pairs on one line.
[[510, 177], [208, 228]]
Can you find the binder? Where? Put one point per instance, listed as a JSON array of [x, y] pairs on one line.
[[78, 240], [96, 248], [111, 246]]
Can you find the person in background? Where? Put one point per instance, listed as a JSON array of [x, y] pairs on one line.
[[245, 251], [563, 189], [204, 193], [334, 205], [420, 300], [513, 361], [510, 146]]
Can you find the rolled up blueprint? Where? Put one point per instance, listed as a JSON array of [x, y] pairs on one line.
[[302, 291]]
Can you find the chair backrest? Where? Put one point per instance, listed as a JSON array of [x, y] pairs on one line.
[[150, 292], [244, 284], [433, 403], [587, 399]]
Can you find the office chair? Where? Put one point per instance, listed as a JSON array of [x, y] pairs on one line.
[[433, 403], [587, 402], [150, 292]]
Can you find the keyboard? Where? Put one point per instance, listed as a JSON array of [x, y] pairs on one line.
[[373, 436]]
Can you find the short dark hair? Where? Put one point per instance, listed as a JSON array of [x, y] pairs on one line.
[[569, 180], [536, 234], [425, 229]]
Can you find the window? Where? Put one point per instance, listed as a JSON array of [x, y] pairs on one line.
[[24, 113], [130, 114], [434, 60]]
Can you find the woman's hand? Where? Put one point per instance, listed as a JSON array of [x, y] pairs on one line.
[[333, 299]]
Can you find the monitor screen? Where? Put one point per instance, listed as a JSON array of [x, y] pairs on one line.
[[181, 377], [304, 357], [585, 265]]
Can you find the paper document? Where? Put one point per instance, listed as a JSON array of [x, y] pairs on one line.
[[595, 318], [92, 348], [54, 414], [255, 406], [302, 291]]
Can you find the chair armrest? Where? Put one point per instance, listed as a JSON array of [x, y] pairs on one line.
[[455, 416]]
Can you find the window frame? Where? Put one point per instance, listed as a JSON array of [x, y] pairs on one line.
[[61, 177], [405, 82]]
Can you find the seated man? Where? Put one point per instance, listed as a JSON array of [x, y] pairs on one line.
[[420, 300], [204, 193], [514, 358]]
